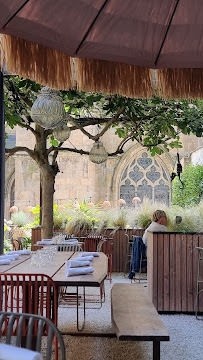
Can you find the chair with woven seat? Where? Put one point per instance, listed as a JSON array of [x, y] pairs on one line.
[[29, 293], [24, 326]]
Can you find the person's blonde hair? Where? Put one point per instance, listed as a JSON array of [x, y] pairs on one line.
[[158, 214]]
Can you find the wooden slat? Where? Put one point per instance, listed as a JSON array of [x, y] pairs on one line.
[[176, 289], [166, 262], [160, 265], [184, 273], [190, 294], [169, 261]]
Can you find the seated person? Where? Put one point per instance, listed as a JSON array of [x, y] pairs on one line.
[[159, 221]]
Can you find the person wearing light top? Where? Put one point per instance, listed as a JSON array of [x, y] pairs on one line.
[[158, 224]]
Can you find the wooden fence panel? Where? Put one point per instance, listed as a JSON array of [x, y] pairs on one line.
[[172, 281]]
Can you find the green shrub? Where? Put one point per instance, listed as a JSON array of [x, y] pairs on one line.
[[191, 192], [20, 218]]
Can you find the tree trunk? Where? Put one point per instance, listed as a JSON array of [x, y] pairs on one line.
[[48, 173], [47, 184]]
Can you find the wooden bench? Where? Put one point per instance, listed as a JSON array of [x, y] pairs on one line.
[[135, 318]]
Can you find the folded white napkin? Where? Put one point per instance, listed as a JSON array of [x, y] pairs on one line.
[[10, 352], [84, 258], [79, 271], [15, 256], [25, 252], [44, 242], [6, 262], [75, 264], [93, 253], [7, 257], [13, 252], [66, 242], [71, 239]]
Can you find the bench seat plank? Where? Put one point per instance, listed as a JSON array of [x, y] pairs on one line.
[[134, 317]]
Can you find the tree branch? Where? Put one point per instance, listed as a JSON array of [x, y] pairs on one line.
[[110, 122], [16, 149], [56, 153], [26, 126], [107, 126]]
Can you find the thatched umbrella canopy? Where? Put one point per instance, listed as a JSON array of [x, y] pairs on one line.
[[106, 45], [103, 45]]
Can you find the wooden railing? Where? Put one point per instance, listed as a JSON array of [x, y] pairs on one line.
[[172, 271]]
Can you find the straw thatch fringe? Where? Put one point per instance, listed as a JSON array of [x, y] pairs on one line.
[[36, 62], [113, 78], [180, 83]]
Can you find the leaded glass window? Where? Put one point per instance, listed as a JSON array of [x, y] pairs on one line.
[[146, 177]]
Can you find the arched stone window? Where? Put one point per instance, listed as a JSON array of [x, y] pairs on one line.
[[146, 177]]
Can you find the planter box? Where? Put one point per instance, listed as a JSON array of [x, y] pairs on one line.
[[172, 271], [120, 244]]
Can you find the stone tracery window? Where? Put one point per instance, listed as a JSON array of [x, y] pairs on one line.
[[145, 177]]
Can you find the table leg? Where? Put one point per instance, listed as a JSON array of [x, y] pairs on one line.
[[156, 350], [83, 324]]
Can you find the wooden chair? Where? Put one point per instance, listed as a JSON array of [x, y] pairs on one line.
[[24, 325], [29, 293]]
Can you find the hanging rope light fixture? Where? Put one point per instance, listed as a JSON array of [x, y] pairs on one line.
[[98, 153], [62, 133], [48, 110]]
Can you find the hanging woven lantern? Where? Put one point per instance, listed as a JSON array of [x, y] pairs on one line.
[[62, 133], [98, 153], [106, 203], [121, 202], [136, 200], [48, 110], [13, 209]]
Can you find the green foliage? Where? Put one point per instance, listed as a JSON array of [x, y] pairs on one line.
[[192, 190], [82, 219], [59, 218], [36, 212], [7, 245], [20, 218], [155, 123]]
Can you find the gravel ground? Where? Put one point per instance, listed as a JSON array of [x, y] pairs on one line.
[[186, 335]]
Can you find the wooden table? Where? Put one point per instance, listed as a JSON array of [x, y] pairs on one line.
[[56, 270]]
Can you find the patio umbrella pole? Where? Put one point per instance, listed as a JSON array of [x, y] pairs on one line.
[[2, 164]]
